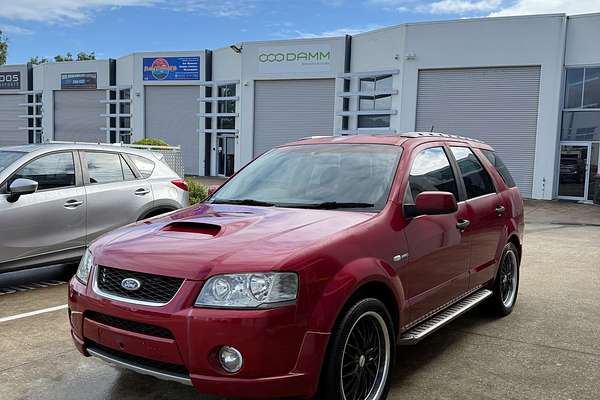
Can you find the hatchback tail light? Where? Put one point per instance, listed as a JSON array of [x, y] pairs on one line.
[[181, 184]]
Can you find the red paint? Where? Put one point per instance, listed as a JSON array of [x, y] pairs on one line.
[[334, 254]]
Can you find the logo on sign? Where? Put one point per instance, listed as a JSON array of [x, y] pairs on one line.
[[299, 58], [160, 69], [10, 80], [131, 284]]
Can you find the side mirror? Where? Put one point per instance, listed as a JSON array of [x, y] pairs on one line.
[[212, 189], [435, 203], [20, 187]]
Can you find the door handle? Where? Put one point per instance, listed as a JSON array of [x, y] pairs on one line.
[[73, 203], [141, 192], [500, 210], [463, 224]]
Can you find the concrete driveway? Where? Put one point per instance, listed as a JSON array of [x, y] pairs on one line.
[[548, 348]]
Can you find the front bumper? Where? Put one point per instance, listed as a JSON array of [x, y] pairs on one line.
[[281, 358]]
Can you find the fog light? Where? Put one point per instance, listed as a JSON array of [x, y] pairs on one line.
[[230, 359]]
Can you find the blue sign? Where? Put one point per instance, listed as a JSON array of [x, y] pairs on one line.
[[171, 69]]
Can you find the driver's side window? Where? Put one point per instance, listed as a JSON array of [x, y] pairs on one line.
[[53, 171], [430, 171]]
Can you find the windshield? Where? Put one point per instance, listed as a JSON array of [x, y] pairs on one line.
[[8, 157], [328, 176]]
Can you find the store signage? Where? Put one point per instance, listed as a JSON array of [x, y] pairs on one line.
[[171, 69], [78, 81], [10, 80], [300, 58]]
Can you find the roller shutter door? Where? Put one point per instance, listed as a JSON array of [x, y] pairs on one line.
[[10, 134], [496, 105], [289, 110], [171, 115], [77, 115]]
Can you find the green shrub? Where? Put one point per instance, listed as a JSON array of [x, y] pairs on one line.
[[198, 191], [152, 142]]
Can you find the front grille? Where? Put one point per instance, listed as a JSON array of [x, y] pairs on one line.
[[153, 289], [158, 366], [131, 326]]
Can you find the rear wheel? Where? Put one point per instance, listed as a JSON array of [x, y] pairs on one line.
[[361, 354], [506, 284]]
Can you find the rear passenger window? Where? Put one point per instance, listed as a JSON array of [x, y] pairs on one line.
[[145, 166], [477, 181], [500, 167], [104, 167], [430, 171]]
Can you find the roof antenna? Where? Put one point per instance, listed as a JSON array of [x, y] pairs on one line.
[[432, 126]]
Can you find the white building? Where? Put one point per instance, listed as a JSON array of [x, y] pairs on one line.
[[529, 86]]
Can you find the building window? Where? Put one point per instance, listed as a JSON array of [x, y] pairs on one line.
[[580, 126], [33, 117], [375, 102], [582, 88], [373, 121], [226, 91], [118, 116], [225, 122]]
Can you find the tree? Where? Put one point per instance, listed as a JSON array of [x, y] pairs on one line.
[[38, 60], [83, 56], [61, 58], [3, 48]]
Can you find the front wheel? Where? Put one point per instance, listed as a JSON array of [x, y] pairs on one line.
[[506, 284], [361, 354]]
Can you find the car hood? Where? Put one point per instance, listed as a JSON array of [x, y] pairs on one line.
[[213, 239]]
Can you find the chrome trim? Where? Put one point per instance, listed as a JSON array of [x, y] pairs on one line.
[[400, 257], [101, 293], [138, 368]]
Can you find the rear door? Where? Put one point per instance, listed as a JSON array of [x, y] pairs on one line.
[[50, 220], [437, 266], [115, 197], [485, 210]]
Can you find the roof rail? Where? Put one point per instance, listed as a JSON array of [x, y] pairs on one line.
[[316, 137], [437, 134]]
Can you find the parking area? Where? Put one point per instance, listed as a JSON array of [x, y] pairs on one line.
[[548, 348]]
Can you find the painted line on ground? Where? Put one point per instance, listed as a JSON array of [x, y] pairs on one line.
[[32, 313]]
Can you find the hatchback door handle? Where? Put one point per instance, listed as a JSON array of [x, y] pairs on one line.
[[141, 192], [73, 203], [463, 224], [500, 210]]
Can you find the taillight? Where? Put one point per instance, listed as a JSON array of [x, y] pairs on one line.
[[181, 184]]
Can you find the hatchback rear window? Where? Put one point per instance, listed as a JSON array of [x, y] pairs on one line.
[[500, 167]]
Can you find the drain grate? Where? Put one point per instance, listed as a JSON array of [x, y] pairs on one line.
[[29, 286]]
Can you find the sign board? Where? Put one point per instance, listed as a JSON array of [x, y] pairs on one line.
[[78, 81], [298, 58], [10, 80], [171, 69]]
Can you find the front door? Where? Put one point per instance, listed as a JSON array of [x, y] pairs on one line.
[[573, 180], [225, 155]]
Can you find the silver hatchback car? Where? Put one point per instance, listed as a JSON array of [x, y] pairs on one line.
[[56, 198]]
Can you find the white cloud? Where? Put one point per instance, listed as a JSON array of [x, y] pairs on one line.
[[79, 11], [462, 6], [15, 30], [524, 7], [332, 33]]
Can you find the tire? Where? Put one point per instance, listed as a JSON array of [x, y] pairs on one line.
[[506, 284], [363, 346]]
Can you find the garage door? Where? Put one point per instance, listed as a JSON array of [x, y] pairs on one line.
[[289, 110], [171, 115], [77, 115], [496, 105], [10, 134]]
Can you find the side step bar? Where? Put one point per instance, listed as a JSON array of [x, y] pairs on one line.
[[427, 327]]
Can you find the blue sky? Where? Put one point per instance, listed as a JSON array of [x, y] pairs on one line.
[[113, 28]]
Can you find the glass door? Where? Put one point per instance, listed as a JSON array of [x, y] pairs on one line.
[[225, 155], [573, 179]]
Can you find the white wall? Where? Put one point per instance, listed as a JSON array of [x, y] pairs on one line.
[[583, 40], [510, 41]]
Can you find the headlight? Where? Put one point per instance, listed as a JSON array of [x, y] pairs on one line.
[[85, 266], [249, 290]]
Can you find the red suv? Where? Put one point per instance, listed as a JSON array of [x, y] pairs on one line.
[[303, 272]]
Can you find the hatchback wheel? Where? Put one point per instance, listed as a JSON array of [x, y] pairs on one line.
[[506, 284], [361, 354]]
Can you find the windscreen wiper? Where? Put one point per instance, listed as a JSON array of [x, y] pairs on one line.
[[244, 202], [332, 205]]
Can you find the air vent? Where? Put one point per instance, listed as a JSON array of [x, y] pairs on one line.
[[193, 227]]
